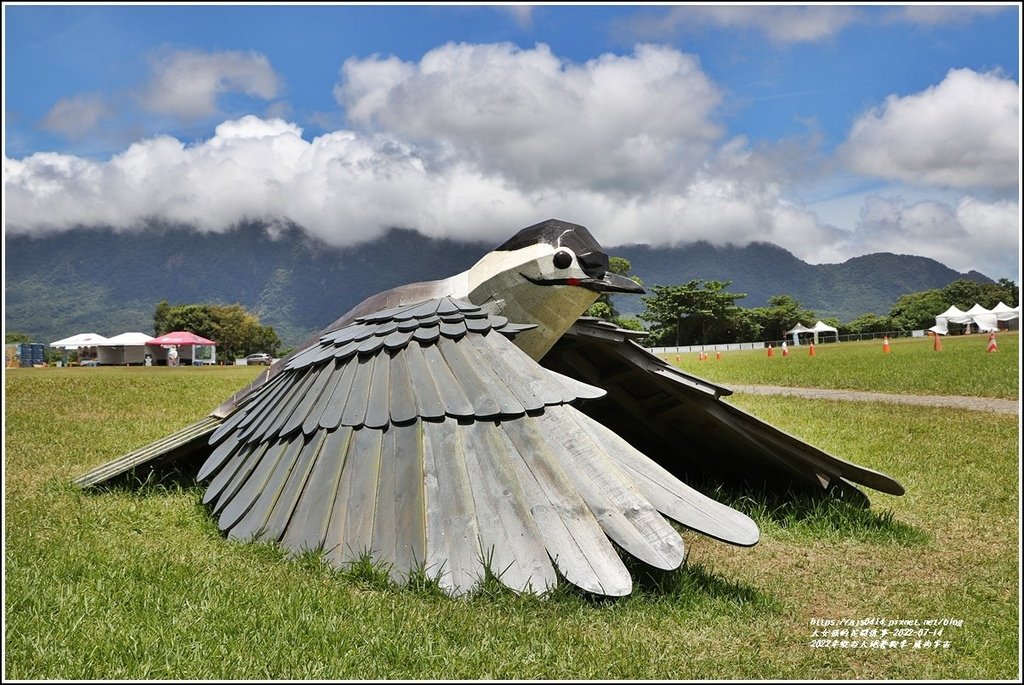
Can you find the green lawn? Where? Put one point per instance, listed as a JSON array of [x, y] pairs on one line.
[[139, 584], [962, 367]]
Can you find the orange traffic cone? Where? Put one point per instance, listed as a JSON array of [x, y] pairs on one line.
[[810, 350], [937, 346], [992, 343], [718, 355], [677, 358], [785, 349], [771, 352], [885, 345]]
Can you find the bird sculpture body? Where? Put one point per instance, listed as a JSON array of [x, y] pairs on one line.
[[477, 424]]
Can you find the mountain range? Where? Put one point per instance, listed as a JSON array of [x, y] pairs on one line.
[[99, 280]]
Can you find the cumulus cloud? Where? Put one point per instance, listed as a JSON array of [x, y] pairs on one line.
[[348, 186], [76, 117], [186, 84], [622, 122], [971, 234], [962, 133], [474, 142], [782, 24]]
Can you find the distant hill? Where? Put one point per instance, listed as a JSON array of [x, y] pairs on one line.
[[107, 282]]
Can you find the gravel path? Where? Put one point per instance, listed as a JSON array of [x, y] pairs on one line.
[[975, 403]]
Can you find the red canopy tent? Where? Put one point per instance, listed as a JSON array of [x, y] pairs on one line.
[[189, 341]]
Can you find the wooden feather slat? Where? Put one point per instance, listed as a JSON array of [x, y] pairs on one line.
[[243, 498], [320, 379], [410, 526], [290, 402], [448, 387], [361, 474], [534, 377], [573, 537], [330, 407], [475, 388], [244, 458], [378, 400], [308, 525], [428, 401], [509, 538], [382, 537], [218, 458], [355, 406], [278, 520], [511, 376], [264, 403], [628, 519], [494, 384], [402, 402], [671, 496], [254, 521], [453, 542]]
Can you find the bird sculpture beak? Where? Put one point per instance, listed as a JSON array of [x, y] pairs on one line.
[[609, 283], [613, 283]]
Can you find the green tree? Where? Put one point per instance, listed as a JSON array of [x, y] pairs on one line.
[[15, 338], [782, 313], [1011, 293], [603, 307], [237, 331], [870, 323], [917, 311], [696, 312], [964, 294]]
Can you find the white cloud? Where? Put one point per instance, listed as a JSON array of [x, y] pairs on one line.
[[347, 186], [622, 122], [936, 15], [76, 117], [972, 234], [962, 133], [523, 14], [186, 84], [478, 141], [782, 24]]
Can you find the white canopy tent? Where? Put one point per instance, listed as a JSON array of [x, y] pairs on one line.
[[985, 320], [1004, 313], [796, 330], [126, 348], [822, 327], [79, 340], [85, 343]]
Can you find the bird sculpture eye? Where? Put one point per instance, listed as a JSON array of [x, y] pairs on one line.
[[562, 259]]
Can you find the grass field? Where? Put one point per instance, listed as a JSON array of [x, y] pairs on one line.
[[137, 583], [962, 367]]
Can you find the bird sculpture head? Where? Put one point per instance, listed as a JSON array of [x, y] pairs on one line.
[[546, 275]]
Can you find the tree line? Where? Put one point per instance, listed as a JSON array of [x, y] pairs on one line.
[[236, 331], [704, 312]]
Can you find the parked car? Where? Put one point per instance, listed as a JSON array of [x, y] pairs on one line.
[[258, 359]]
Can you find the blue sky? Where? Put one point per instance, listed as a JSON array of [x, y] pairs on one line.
[[832, 130]]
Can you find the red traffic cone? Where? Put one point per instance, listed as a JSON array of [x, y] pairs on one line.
[[771, 352], [810, 350], [992, 343], [937, 346], [885, 345]]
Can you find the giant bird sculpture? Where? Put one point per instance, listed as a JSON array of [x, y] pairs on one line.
[[477, 422]]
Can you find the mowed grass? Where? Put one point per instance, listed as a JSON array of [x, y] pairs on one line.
[[962, 367], [137, 583]]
